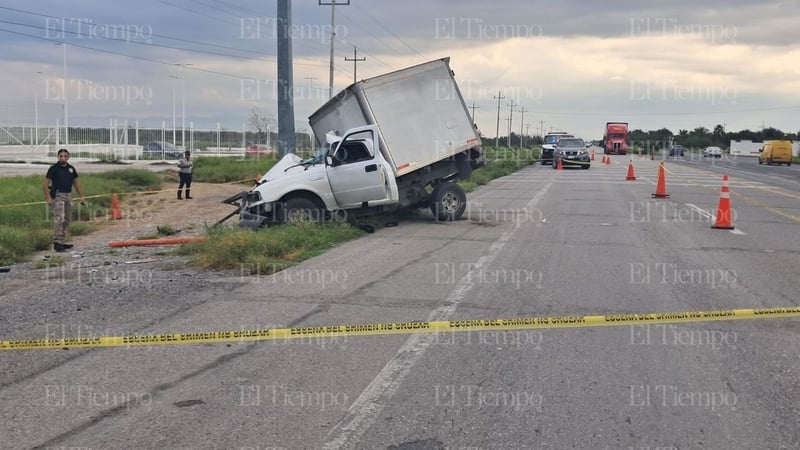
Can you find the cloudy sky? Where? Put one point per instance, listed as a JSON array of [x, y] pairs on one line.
[[570, 65]]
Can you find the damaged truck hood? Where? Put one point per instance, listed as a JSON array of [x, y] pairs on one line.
[[279, 169]]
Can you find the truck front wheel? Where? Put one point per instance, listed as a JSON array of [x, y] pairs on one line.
[[301, 209], [448, 202]]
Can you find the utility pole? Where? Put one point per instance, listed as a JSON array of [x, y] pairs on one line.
[[333, 4], [527, 129], [541, 129], [510, 118], [508, 140], [473, 108], [355, 60], [497, 133], [311, 86], [286, 138], [521, 122]]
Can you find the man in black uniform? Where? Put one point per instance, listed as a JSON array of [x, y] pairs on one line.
[[185, 168], [58, 192]]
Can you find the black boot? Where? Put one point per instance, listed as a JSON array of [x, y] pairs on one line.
[[179, 195], [188, 196]]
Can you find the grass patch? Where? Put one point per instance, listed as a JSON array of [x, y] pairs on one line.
[[226, 170], [267, 250], [53, 261], [499, 162], [26, 227], [17, 244]]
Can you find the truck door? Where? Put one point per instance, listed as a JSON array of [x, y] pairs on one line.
[[358, 173]]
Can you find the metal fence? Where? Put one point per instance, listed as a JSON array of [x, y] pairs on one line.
[[125, 141]]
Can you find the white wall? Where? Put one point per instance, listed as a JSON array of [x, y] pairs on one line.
[[750, 148]]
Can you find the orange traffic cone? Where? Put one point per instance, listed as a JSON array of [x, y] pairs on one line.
[[661, 183], [631, 175], [724, 208], [116, 214], [591, 158], [603, 161], [608, 160], [559, 166]]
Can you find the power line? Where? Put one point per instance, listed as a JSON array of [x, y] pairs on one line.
[[366, 12], [141, 58]]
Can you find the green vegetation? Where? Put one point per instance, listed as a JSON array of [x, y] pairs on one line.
[[225, 170], [267, 250], [500, 162], [27, 227], [54, 261]]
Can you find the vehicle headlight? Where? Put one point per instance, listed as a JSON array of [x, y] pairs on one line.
[[582, 152]]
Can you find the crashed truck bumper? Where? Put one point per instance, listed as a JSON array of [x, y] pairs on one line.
[[252, 209]]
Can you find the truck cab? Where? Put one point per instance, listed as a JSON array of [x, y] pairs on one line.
[[615, 138]]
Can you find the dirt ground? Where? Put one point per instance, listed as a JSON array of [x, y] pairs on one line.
[[142, 214]]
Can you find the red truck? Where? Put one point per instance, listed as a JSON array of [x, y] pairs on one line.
[[615, 139]]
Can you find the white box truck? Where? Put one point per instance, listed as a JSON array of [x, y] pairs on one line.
[[396, 141]]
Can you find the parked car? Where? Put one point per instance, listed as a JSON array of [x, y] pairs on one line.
[[712, 152], [571, 151], [676, 150], [161, 150], [258, 150]]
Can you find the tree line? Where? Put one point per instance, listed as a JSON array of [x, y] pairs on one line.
[[700, 137]]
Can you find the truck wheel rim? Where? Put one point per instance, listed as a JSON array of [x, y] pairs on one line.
[[298, 216], [450, 202]]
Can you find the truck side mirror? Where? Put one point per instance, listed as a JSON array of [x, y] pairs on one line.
[[329, 160]]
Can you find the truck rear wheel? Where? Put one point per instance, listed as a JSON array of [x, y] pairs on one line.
[[448, 202]]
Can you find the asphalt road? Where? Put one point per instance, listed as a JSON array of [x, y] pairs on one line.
[[536, 243]]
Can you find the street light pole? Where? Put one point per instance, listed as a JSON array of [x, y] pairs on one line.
[[173, 108], [36, 108], [183, 106], [66, 102]]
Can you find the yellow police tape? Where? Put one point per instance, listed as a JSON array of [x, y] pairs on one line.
[[526, 323]]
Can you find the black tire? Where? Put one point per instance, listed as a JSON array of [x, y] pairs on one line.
[[448, 202], [760, 162], [586, 166], [301, 209]]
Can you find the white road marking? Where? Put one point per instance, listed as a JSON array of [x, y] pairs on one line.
[[701, 211], [364, 411]]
